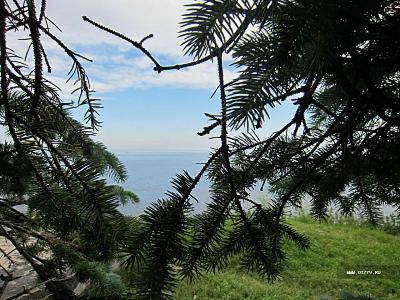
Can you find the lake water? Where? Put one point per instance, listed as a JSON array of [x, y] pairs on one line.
[[150, 177]]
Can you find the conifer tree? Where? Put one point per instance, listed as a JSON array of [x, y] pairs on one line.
[[56, 207], [339, 63]]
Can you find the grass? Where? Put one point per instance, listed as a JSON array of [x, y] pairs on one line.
[[317, 273]]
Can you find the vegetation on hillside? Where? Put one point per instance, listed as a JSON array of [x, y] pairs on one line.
[[318, 273]]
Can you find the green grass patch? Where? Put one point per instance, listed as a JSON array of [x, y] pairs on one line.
[[317, 273]]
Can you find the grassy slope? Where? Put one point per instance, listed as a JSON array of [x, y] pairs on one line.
[[313, 273]]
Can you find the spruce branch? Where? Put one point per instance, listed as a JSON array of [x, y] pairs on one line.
[[157, 66], [225, 153], [37, 51], [50, 163]]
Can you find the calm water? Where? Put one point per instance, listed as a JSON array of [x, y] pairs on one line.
[[150, 176]]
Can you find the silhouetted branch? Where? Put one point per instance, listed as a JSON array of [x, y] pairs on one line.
[[158, 67], [208, 129], [37, 51]]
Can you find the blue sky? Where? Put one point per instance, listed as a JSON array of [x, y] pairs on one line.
[[143, 110]]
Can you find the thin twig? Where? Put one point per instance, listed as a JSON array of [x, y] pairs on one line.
[[158, 67]]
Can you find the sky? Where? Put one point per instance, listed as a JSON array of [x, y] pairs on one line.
[[142, 110]]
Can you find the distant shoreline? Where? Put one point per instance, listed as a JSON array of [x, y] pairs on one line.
[[153, 152]]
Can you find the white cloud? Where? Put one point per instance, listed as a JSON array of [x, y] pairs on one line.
[[114, 69], [118, 72], [138, 73], [133, 18]]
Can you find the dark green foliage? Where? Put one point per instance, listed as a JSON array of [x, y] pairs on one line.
[[158, 240], [391, 224], [124, 196], [53, 189], [104, 283], [106, 161], [207, 24], [15, 171]]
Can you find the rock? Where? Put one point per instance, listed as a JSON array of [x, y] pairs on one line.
[[19, 277], [20, 281]]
